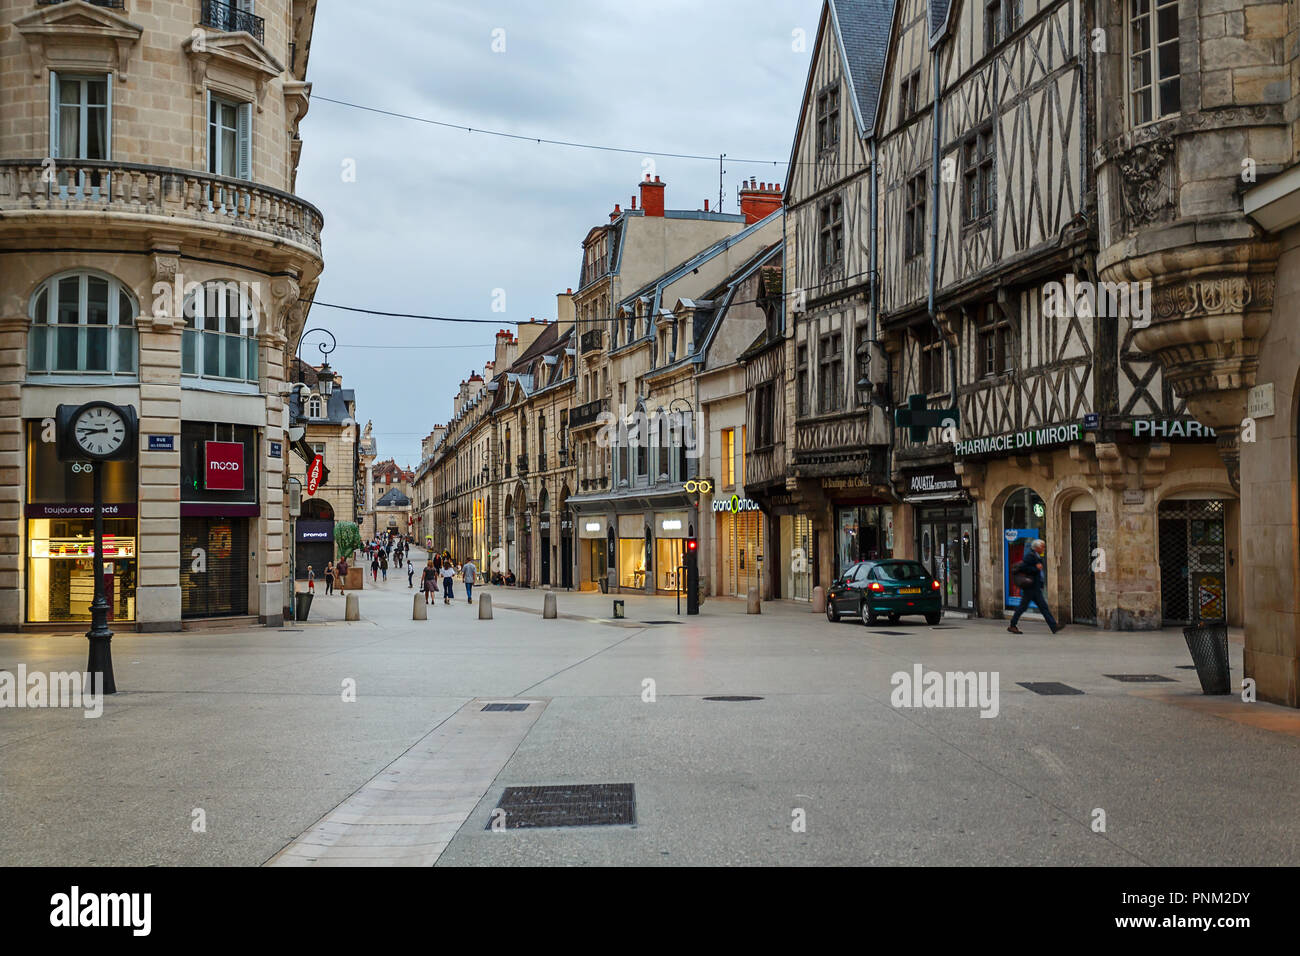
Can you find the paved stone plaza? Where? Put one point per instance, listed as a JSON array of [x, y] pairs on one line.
[[251, 728]]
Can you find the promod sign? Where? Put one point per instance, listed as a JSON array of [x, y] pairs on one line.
[[223, 465], [314, 472]]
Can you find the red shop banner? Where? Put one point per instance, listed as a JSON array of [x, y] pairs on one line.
[[314, 472], [223, 464]]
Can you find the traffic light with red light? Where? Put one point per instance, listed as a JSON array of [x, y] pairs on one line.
[[692, 576]]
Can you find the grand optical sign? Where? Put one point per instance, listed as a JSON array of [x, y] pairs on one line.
[[1017, 441], [735, 504]]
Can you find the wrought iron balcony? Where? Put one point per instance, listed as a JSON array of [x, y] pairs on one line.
[[541, 461], [230, 19], [564, 457], [592, 340], [586, 414], [521, 465], [27, 188]]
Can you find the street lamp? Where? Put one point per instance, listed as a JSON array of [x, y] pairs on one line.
[[324, 375], [865, 390]]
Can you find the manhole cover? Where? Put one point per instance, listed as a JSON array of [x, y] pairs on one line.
[[574, 805], [505, 707], [731, 699], [892, 633], [1141, 678], [658, 622], [1049, 688]]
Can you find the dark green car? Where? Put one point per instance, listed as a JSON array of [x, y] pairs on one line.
[[888, 588]]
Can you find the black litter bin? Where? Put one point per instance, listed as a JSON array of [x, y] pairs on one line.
[[302, 605], [1208, 643]]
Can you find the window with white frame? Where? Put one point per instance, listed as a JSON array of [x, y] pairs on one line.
[[220, 336], [230, 135], [315, 407], [82, 322], [80, 116], [1155, 89]]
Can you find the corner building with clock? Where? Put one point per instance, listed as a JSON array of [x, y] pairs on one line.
[[153, 255]]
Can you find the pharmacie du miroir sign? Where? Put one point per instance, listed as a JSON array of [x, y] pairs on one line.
[[1028, 438]]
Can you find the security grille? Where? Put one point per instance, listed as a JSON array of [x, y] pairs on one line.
[[1193, 583], [1083, 583], [214, 567]]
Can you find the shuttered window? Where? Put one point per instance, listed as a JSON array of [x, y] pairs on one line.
[[230, 136]]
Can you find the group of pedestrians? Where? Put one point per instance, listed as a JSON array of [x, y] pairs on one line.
[[336, 575], [442, 567]]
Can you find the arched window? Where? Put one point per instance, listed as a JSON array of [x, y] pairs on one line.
[[82, 322], [1024, 511], [315, 407], [220, 337]]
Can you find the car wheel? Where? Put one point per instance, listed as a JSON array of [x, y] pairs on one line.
[[868, 616], [894, 618], [934, 617], [832, 615]]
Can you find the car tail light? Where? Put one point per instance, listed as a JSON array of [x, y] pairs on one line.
[[875, 586], [934, 585]]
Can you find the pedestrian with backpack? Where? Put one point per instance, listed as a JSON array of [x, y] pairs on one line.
[[1030, 576]]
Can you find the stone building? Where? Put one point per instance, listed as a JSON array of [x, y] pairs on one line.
[[331, 431], [152, 253]]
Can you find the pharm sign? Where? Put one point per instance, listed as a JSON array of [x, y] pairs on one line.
[[223, 465], [314, 471]]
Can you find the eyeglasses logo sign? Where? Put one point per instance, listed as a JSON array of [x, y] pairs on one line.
[[699, 486]]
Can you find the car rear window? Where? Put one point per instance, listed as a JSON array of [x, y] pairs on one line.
[[902, 571]]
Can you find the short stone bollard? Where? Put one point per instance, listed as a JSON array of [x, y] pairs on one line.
[[485, 607], [419, 609], [548, 606], [819, 600], [752, 603], [352, 612]]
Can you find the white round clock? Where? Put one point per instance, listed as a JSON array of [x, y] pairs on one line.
[[99, 430]]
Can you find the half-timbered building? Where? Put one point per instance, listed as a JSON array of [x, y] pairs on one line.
[[991, 305], [836, 439]]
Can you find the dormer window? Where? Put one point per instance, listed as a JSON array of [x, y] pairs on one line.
[[315, 408]]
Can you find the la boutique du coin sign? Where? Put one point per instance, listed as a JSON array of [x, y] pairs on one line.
[[314, 471], [224, 465]]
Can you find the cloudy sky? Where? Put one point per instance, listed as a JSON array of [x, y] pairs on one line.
[[436, 219]]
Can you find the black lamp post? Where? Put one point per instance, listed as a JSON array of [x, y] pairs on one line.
[[325, 374], [865, 390]]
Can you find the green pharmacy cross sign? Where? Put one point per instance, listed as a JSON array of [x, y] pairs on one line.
[[918, 419]]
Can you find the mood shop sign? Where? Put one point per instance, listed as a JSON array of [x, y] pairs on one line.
[[1018, 441]]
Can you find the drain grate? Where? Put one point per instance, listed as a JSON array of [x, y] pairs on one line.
[[892, 633], [573, 805], [505, 707], [732, 699], [1186, 667], [658, 622], [1140, 678], [1049, 688]]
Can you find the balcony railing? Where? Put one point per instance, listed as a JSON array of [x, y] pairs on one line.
[[98, 186], [564, 457], [586, 414], [111, 4], [592, 340], [521, 465], [541, 461], [230, 19]]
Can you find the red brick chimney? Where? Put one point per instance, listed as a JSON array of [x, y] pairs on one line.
[[616, 213], [759, 200], [652, 197]]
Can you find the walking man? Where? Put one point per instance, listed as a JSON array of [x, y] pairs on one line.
[[468, 572], [410, 574], [374, 568], [341, 571], [1030, 575]]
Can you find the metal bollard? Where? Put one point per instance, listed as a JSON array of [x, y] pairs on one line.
[[819, 600], [419, 610], [352, 611], [548, 606], [752, 604], [485, 607]]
